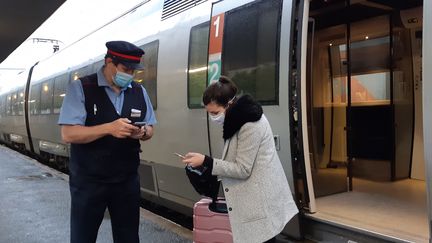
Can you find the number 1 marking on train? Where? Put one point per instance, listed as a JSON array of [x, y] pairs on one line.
[[216, 24]]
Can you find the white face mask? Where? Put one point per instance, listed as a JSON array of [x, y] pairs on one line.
[[219, 118]]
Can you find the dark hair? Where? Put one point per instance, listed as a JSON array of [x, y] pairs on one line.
[[115, 61], [220, 92]]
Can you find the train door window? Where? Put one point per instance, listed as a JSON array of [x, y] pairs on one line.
[[97, 65], [148, 76], [197, 68], [46, 97], [250, 54], [84, 71], [9, 105], [370, 80], [20, 103], [35, 99], [60, 87]]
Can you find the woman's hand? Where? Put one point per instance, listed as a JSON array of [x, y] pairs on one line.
[[193, 159]]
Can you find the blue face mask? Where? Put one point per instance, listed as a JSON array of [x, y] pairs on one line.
[[122, 79]]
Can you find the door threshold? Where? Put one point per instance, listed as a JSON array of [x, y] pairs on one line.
[[353, 231], [395, 211]]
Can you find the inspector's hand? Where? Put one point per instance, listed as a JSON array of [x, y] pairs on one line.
[[149, 132], [193, 159], [139, 133], [121, 128]]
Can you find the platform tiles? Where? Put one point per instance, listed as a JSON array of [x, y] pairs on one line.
[[35, 204]]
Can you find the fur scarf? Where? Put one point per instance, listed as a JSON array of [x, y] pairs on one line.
[[244, 110]]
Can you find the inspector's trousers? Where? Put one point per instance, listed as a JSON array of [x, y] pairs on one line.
[[89, 201]]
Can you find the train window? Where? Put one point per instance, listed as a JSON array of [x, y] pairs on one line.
[[46, 97], [197, 68], [12, 103], [20, 103], [9, 105], [60, 87], [3, 106], [4, 109], [34, 101], [84, 71], [250, 54], [148, 76], [15, 103], [97, 65]]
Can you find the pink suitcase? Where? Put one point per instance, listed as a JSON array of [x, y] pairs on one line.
[[210, 226]]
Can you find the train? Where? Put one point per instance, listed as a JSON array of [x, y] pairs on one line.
[[340, 82]]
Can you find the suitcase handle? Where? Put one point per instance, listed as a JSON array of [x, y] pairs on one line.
[[218, 207], [215, 206]]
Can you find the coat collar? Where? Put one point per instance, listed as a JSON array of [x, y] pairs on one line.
[[244, 110]]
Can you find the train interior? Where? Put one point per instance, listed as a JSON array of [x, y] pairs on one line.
[[364, 90]]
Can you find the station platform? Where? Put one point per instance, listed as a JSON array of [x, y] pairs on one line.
[[35, 206]]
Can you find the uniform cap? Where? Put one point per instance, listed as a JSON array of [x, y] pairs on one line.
[[125, 53]]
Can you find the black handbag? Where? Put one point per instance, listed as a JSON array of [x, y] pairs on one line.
[[203, 181]]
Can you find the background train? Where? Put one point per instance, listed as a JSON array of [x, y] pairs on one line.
[[339, 81]]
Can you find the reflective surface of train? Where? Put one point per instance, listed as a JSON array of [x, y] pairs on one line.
[[340, 82]]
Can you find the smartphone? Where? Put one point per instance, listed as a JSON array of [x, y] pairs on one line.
[[139, 124], [179, 155]]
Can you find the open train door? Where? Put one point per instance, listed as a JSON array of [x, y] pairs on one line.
[[250, 43]]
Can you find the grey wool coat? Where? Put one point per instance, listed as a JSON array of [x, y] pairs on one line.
[[256, 189]]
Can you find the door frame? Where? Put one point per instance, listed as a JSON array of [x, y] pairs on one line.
[[427, 99], [299, 139]]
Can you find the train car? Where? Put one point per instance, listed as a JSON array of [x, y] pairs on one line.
[[12, 126], [340, 82]]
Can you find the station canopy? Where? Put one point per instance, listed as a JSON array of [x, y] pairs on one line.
[[19, 19]]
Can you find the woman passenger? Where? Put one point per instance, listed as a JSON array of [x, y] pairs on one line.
[[256, 189]]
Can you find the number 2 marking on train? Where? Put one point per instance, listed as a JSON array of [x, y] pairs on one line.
[[215, 70]]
